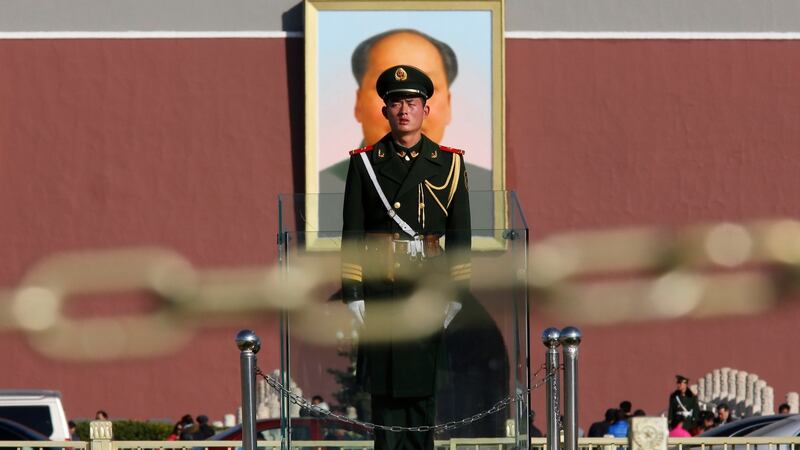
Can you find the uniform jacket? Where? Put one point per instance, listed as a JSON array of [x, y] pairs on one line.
[[689, 401], [432, 197]]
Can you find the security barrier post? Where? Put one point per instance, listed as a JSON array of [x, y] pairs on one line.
[[101, 433], [550, 340], [249, 344], [570, 339], [648, 433]]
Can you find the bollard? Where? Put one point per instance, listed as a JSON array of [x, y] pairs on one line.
[[101, 433], [550, 340], [249, 344], [741, 393], [716, 386], [724, 388], [732, 375], [648, 433], [768, 397], [570, 339], [793, 399]]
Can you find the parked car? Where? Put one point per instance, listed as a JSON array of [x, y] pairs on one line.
[[13, 431], [787, 427], [776, 425], [40, 410], [742, 427], [303, 429]]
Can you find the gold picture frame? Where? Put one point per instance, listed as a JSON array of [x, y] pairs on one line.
[[337, 31]]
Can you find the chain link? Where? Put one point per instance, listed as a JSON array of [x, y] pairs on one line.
[[539, 370], [453, 424], [186, 296]]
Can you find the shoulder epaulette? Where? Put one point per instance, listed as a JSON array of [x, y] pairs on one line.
[[360, 150], [451, 150]]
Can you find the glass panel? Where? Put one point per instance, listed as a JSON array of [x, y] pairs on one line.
[[481, 359]]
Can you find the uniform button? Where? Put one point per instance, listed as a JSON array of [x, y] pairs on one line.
[[396, 265], [396, 205], [397, 235]]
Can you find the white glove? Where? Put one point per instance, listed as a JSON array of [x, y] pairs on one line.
[[357, 308], [450, 312]]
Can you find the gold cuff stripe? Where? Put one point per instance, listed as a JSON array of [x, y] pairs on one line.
[[348, 276], [461, 277], [460, 266], [352, 266], [465, 273], [352, 272]]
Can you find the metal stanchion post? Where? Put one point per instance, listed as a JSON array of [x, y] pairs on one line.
[[249, 344], [550, 340], [570, 339]]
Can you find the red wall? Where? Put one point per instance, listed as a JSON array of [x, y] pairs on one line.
[[183, 144], [186, 143], [615, 133]]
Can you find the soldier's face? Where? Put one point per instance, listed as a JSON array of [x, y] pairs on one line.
[[413, 50], [405, 115]]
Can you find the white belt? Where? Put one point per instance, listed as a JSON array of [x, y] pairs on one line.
[[392, 213]]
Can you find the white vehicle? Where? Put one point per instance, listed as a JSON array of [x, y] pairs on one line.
[[40, 410]]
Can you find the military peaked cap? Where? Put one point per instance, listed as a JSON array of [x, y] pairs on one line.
[[404, 80]]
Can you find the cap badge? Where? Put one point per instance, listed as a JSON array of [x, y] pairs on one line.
[[400, 74]]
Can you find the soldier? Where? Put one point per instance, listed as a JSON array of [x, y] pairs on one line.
[[683, 403], [401, 195]]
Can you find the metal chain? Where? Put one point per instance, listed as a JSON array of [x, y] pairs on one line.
[[556, 399], [539, 370], [303, 403], [186, 294]]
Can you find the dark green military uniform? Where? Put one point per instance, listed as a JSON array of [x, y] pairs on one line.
[[684, 405], [430, 194], [384, 261]]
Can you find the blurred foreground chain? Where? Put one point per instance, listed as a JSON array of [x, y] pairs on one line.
[[185, 298], [453, 424], [599, 277]]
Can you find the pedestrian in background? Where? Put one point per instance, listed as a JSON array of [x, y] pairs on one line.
[[73, 433], [723, 414], [705, 423], [625, 406], [620, 426], [600, 429], [204, 430], [176, 432], [188, 428], [676, 428]]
